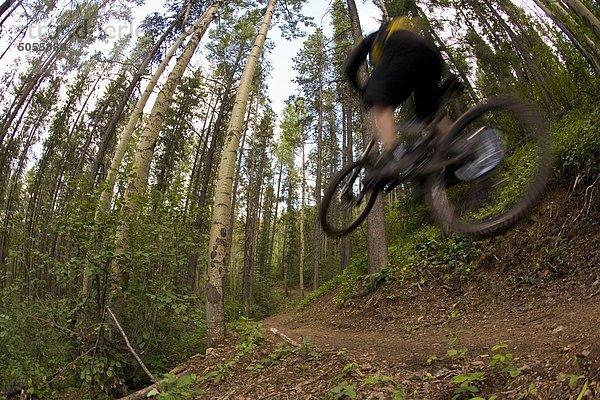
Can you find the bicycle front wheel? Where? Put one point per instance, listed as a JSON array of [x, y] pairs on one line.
[[345, 204], [505, 171]]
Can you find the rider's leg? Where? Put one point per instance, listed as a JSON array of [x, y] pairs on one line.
[[427, 91], [386, 126]]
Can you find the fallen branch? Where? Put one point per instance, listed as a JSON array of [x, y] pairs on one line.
[[592, 295], [139, 360], [141, 394], [588, 200], [285, 337]]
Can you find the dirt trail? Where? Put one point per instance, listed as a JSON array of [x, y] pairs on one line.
[[536, 331], [536, 289]]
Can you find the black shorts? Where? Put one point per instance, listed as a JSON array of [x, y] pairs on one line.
[[408, 64]]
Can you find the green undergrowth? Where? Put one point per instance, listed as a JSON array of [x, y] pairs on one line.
[[417, 253], [577, 136]]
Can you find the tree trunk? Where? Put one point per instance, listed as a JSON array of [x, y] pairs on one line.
[[318, 178], [383, 8], [44, 68], [145, 151], [524, 53], [127, 133], [559, 20], [253, 194], [377, 236], [274, 228], [112, 125], [302, 202], [5, 6], [215, 296], [347, 156], [586, 16]]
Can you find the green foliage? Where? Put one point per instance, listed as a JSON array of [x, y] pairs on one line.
[[531, 391], [424, 250], [322, 290], [516, 176], [467, 384], [281, 352], [219, 374], [576, 137], [454, 350], [502, 360], [346, 282], [173, 387], [375, 379], [572, 379], [251, 338], [349, 368], [307, 350], [34, 345], [399, 394], [343, 390]]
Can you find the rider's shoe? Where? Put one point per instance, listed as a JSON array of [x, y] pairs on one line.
[[488, 154], [387, 168]]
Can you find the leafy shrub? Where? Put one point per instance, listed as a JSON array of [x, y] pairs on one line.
[[576, 137], [33, 345], [425, 250], [173, 387]]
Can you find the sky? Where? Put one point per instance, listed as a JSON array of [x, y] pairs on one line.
[[280, 82]]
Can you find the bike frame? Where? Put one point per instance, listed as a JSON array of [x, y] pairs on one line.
[[425, 165]]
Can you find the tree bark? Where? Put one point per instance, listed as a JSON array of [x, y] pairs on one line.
[[29, 89], [524, 53], [586, 16], [592, 59], [347, 156], [127, 133], [145, 152], [112, 125], [302, 215], [252, 194], [217, 256], [376, 230], [6, 12], [318, 178]]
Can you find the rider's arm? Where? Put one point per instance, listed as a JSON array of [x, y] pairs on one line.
[[356, 58]]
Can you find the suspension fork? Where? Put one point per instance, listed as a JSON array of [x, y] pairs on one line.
[[354, 175]]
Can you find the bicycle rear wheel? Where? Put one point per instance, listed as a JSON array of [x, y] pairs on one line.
[[342, 207], [478, 199]]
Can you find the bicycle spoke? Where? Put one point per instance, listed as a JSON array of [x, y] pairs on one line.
[[506, 173], [345, 203]]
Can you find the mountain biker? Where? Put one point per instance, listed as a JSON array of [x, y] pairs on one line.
[[403, 63]]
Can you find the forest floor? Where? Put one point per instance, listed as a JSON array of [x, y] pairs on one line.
[[526, 326]]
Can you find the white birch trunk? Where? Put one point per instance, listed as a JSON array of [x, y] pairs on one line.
[[586, 16], [217, 250], [127, 133], [145, 148]]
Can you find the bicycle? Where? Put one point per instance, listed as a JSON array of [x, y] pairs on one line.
[[460, 197]]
